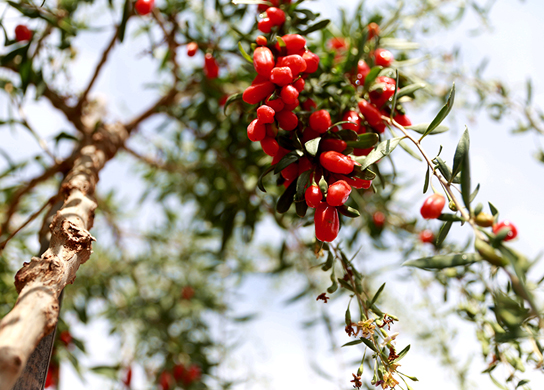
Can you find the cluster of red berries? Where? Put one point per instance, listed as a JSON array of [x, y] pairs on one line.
[[180, 374], [274, 17], [432, 209]]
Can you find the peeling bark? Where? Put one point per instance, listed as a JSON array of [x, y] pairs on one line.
[[41, 281]]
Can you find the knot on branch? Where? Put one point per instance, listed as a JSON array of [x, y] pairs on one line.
[[76, 238]]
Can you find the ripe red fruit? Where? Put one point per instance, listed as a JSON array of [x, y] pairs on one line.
[[304, 165], [276, 104], [336, 162], [338, 43], [290, 172], [513, 233], [338, 193], [52, 375], [281, 76], [294, 43], [352, 116], [299, 84], [291, 106], [356, 182], [22, 33], [179, 372], [313, 196], [372, 115], [261, 40], [265, 114], [187, 292], [270, 146], [309, 105], [128, 377], [379, 219], [294, 62], [402, 120], [312, 61], [263, 61], [265, 25], [432, 207], [276, 16], [426, 236], [373, 30], [256, 131], [320, 121], [166, 380], [383, 57], [362, 71], [380, 96], [211, 69], [143, 7], [287, 120], [255, 93], [327, 223], [309, 134], [65, 337], [192, 48], [289, 94], [337, 145], [193, 374], [281, 153]]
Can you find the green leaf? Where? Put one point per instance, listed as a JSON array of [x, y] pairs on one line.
[[377, 295], [302, 184], [110, 372], [345, 284], [465, 181], [443, 168], [475, 193], [346, 134], [349, 212], [369, 344], [522, 382], [402, 354], [244, 53], [287, 160], [371, 76], [394, 102], [427, 180], [124, 19], [410, 151], [354, 342], [348, 315], [450, 217], [382, 150], [364, 141], [366, 174], [315, 27], [286, 199], [422, 127], [442, 234], [442, 114], [232, 99], [312, 146], [328, 264], [410, 89], [261, 177], [460, 153], [444, 261], [493, 209]]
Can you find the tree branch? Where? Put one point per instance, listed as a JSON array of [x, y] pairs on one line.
[[41, 281]]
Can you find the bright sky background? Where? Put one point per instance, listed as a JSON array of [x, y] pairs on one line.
[[277, 351]]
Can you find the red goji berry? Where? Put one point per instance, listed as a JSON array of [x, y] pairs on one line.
[[327, 223], [336, 162], [432, 207]]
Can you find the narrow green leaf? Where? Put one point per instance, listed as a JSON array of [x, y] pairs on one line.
[[493, 209], [347, 134], [124, 19], [443, 233], [474, 194], [371, 76], [444, 261], [377, 295], [315, 27], [427, 180], [364, 141], [345, 284], [460, 153], [410, 89], [312, 146], [443, 168], [261, 177], [302, 184], [442, 114], [287, 160], [382, 150], [394, 103], [465, 181], [232, 99], [349, 212], [328, 264], [369, 344], [354, 342], [410, 151], [286, 199], [422, 127], [450, 217], [402, 354], [348, 315], [246, 56]]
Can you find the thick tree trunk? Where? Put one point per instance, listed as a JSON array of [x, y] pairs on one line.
[[41, 281]]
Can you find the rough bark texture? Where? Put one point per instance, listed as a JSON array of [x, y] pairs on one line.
[[41, 281]]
